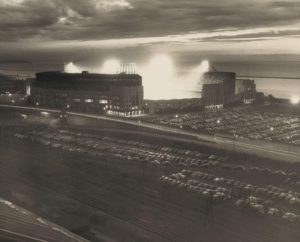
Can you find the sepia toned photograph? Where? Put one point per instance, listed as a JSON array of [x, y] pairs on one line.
[[149, 121]]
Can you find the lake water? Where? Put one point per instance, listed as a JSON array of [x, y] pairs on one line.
[[278, 87]]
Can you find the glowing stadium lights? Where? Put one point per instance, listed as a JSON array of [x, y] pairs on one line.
[[161, 78], [158, 77], [111, 66], [72, 68], [205, 66], [295, 99]]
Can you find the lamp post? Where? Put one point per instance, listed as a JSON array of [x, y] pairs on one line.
[[233, 140], [294, 101]]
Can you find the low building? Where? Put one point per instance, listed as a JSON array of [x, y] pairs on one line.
[[115, 94]]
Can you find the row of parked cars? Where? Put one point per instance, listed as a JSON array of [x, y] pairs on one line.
[[269, 200], [259, 206], [206, 190], [136, 151], [248, 124], [97, 145], [200, 174]]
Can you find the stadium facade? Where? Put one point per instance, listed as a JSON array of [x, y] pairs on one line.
[[213, 95], [116, 94]]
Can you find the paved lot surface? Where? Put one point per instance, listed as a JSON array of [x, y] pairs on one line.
[[96, 193], [264, 148], [96, 178], [18, 224]]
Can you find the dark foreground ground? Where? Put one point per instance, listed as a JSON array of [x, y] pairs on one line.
[[105, 192]]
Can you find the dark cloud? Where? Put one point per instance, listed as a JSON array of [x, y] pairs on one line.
[[105, 19]]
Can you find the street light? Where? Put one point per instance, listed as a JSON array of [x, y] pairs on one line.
[[294, 101], [235, 136]]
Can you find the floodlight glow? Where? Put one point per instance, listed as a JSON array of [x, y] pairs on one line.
[[72, 68], [205, 66], [295, 100], [158, 77], [162, 79], [111, 66]]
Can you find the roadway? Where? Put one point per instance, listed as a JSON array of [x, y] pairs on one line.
[[260, 148]]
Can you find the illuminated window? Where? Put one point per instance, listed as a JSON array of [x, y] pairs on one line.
[[103, 101], [89, 100]]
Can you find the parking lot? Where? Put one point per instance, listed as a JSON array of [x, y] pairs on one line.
[[141, 182], [218, 178], [236, 122]]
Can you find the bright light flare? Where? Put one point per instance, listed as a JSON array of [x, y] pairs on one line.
[[72, 68], [158, 77], [204, 66], [161, 79], [111, 66], [195, 77], [295, 99]]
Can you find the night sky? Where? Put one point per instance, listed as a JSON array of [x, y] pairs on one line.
[[31, 28], [257, 37]]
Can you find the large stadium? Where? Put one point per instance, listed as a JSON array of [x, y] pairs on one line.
[[115, 94]]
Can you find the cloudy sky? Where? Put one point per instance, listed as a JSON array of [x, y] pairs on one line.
[[135, 29]]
